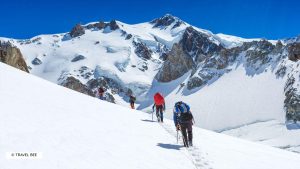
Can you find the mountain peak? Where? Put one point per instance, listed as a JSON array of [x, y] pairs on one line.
[[166, 21]]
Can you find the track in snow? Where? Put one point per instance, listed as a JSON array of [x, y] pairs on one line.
[[193, 153]]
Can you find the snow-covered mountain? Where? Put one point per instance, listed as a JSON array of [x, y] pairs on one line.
[[242, 87], [95, 134]]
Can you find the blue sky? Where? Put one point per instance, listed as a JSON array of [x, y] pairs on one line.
[[271, 19]]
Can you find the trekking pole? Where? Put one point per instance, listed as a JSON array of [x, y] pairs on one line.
[[177, 136], [152, 115], [177, 129]]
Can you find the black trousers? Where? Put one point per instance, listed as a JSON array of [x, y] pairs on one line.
[[187, 132], [159, 112]]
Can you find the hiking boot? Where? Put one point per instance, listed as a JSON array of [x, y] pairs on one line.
[[190, 143]]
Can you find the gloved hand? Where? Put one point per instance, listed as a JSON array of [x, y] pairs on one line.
[[177, 127]]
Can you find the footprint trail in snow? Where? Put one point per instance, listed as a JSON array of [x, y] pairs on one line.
[[192, 153]]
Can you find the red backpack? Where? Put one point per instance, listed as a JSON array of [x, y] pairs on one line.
[[159, 99]]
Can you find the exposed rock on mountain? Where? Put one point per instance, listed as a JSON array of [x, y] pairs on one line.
[[294, 52], [36, 61], [194, 82], [78, 58], [178, 63], [129, 36], [76, 31], [12, 56], [194, 47], [199, 44], [113, 25], [100, 25], [74, 84], [167, 20], [142, 50], [292, 100]]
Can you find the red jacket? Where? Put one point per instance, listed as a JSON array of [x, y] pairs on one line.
[[159, 99]]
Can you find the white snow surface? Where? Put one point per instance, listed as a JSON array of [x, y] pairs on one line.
[[232, 100], [95, 134], [231, 41]]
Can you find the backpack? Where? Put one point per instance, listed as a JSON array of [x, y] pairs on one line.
[[132, 98], [184, 112], [159, 99], [101, 90]]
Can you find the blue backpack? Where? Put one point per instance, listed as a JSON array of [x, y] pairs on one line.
[[183, 111]]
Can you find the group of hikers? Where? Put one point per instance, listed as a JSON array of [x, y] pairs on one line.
[[182, 115]]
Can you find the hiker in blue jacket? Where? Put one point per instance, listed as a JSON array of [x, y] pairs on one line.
[[183, 120]]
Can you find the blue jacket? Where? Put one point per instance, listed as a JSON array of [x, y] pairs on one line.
[[178, 110]]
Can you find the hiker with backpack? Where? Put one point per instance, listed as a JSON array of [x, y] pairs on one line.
[[183, 120], [159, 105], [101, 93], [132, 100]]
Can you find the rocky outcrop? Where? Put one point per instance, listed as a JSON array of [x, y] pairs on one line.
[[78, 58], [292, 100], [76, 31], [178, 63], [36, 61], [165, 21], [12, 56], [74, 84], [99, 25], [194, 82], [294, 51], [199, 45], [141, 50], [194, 48], [107, 83], [129, 36], [258, 51], [113, 25]]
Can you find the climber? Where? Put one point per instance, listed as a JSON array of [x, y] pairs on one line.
[[132, 100], [159, 104], [101, 93], [183, 120]]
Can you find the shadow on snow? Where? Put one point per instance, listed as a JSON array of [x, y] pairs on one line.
[[169, 146]]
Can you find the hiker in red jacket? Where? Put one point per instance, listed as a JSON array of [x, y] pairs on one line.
[[159, 104]]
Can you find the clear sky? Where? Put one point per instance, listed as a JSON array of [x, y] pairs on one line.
[[271, 19]]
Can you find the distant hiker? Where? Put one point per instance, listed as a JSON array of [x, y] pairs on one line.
[[132, 100], [101, 93], [183, 120], [159, 104]]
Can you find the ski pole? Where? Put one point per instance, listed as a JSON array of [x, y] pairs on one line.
[[177, 137], [152, 115]]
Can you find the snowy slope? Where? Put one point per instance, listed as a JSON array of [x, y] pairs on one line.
[[97, 134], [249, 107], [231, 41], [239, 98], [107, 53], [88, 134]]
